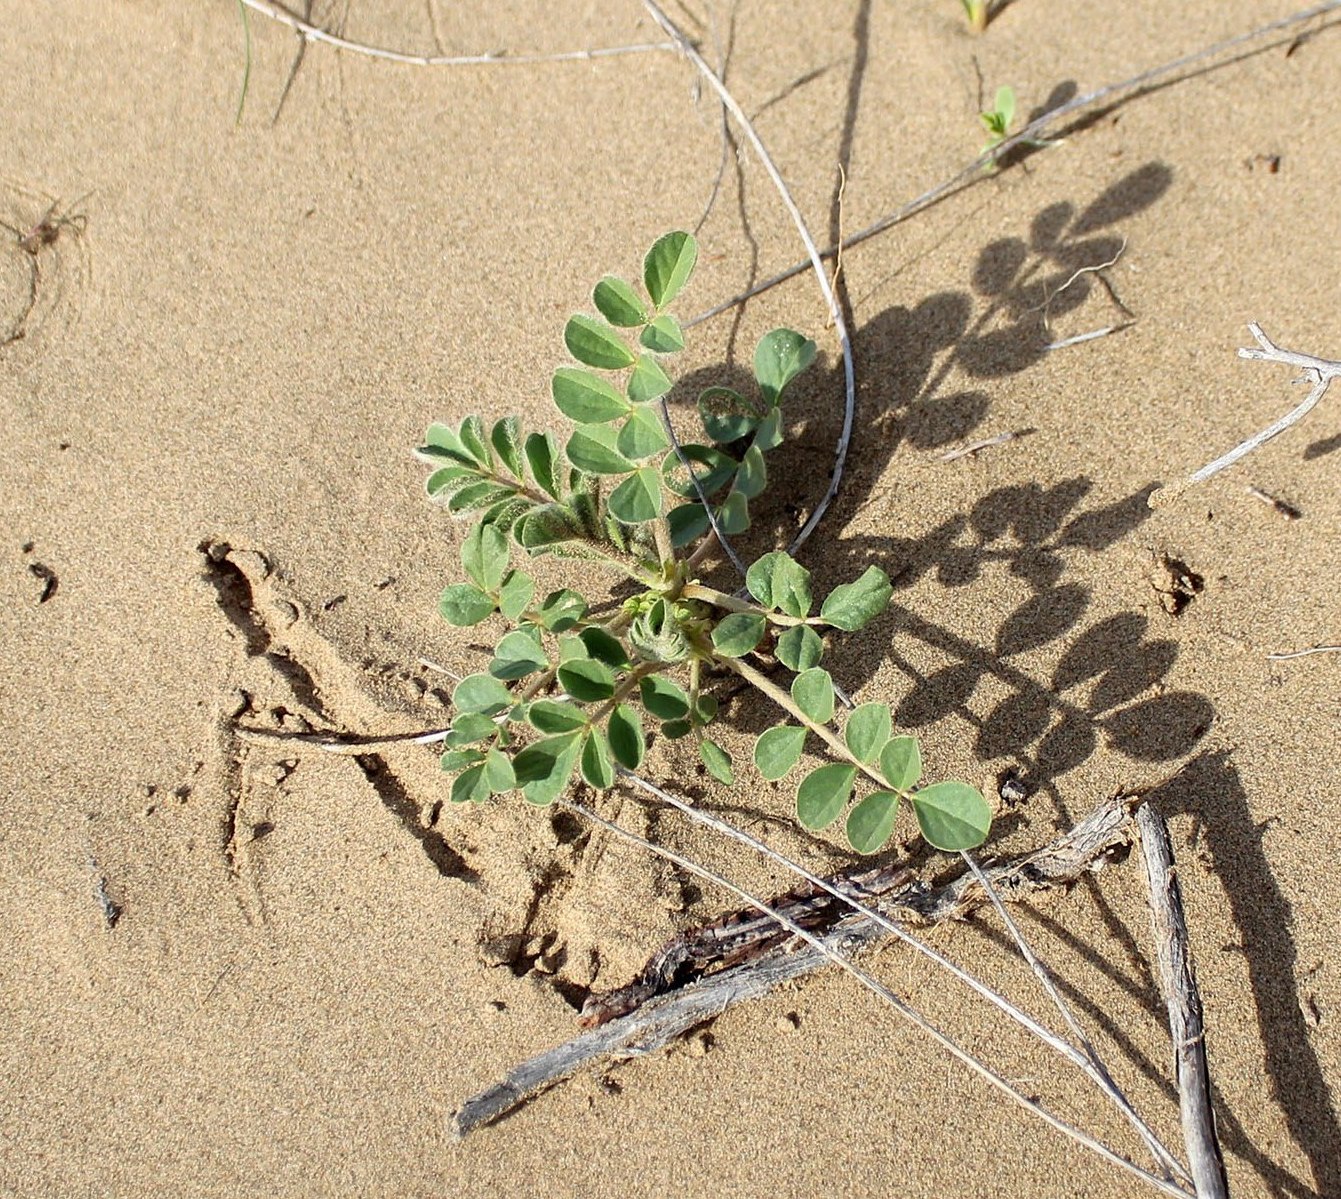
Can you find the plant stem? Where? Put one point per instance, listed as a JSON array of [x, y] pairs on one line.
[[719, 599], [761, 682]]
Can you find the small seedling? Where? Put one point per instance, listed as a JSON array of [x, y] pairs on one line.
[[997, 120], [570, 693], [976, 11]]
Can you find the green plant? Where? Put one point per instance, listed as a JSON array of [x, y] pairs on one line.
[[572, 692], [997, 120], [976, 11]]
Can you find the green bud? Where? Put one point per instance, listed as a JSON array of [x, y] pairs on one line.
[[656, 635]]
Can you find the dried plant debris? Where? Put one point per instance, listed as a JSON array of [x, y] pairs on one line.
[[1176, 583]]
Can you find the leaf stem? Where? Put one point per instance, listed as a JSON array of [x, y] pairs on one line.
[[720, 599], [761, 682]]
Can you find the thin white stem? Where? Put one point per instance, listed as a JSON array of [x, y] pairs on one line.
[[883, 992], [1104, 1079], [1318, 371], [1086, 1061], [314, 33], [698, 491], [1304, 653], [816, 261]]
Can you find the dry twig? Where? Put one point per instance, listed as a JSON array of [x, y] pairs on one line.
[[1186, 1024], [665, 1017], [314, 33], [1318, 371]]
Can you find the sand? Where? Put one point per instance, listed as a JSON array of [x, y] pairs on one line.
[[211, 519]]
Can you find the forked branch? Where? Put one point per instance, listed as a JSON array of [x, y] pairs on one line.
[[1318, 371]]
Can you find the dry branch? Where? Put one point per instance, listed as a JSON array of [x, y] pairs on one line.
[[1186, 1024], [1318, 371], [657, 1022]]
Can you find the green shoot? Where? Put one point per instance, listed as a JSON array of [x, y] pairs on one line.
[[976, 11], [997, 120], [570, 694]]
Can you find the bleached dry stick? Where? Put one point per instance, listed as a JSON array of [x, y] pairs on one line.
[[816, 262], [665, 1017], [314, 33], [1186, 1024], [1318, 371], [1083, 1056]]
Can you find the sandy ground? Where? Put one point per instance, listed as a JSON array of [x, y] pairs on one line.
[[243, 328]]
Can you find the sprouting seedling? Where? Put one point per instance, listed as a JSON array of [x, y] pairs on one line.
[[571, 694], [997, 120], [976, 11]]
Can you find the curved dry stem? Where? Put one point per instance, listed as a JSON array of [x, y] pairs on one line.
[[687, 48], [1318, 371], [314, 33]]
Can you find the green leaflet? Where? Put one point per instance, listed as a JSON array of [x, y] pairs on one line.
[[871, 822], [814, 694], [779, 749], [823, 793], [668, 265]]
